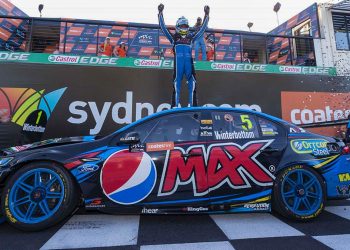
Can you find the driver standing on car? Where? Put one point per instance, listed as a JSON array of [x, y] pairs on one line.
[[182, 42]]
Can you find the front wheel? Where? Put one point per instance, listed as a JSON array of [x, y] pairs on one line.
[[38, 195], [299, 193]]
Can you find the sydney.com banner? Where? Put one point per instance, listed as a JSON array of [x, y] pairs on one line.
[[42, 101]]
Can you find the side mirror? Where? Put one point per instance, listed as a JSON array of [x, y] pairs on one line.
[[130, 138]]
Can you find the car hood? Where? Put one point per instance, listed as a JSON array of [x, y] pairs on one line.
[[46, 144]]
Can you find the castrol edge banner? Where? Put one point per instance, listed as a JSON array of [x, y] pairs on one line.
[[312, 107]]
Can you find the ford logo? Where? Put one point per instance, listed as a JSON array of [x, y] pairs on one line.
[[88, 168]]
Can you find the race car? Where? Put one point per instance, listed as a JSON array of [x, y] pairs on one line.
[[186, 160]]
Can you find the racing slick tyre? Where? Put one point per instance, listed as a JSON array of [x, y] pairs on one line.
[[299, 193], [38, 196]]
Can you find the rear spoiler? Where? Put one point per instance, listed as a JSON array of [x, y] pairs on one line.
[[325, 124], [329, 124]]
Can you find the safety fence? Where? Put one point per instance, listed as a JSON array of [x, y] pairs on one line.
[[83, 37]]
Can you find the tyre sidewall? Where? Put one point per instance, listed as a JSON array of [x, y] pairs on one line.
[[282, 208], [68, 204]]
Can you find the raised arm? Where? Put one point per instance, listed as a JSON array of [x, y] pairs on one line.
[[162, 24], [201, 31]]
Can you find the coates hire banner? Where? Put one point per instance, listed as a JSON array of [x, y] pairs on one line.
[[312, 107], [166, 64], [53, 99]]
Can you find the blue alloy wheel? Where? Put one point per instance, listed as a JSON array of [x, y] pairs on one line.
[[39, 195], [299, 193], [302, 192], [36, 196]]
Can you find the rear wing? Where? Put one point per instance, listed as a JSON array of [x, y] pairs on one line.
[[345, 138]]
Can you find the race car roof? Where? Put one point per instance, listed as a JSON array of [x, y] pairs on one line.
[[180, 110]]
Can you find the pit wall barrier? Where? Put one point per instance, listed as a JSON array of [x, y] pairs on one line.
[[42, 97]]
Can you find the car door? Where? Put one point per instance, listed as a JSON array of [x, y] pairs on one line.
[[167, 167], [239, 159]]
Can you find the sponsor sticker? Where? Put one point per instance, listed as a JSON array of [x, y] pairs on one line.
[[344, 177], [149, 210], [308, 146], [159, 146], [290, 69], [219, 135], [207, 122], [147, 63], [228, 117], [88, 168], [206, 133], [137, 148], [343, 190], [206, 127], [257, 206], [63, 59], [196, 209], [95, 203], [222, 162]]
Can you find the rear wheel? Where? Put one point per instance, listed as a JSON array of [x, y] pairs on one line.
[[299, 193], [38, 196]]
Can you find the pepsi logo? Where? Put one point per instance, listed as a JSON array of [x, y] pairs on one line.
[[128, 177]]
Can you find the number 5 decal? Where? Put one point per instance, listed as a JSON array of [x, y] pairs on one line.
[[247, 124]]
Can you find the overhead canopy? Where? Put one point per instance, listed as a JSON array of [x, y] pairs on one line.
[[343, 6]]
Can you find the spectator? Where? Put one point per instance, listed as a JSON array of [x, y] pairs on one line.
[[210, 53], [106, 48], [57, 49], [120, 51], [347, 134], [199, 42], [210, 47], [246, 58], [4, 116]]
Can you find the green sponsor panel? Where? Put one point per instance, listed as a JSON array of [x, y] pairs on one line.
[[161, 64]]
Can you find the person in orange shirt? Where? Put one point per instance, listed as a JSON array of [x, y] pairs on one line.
[[106, 48], [210, 53], [120, 51]]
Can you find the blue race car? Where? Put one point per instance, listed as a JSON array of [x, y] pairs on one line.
[[191, 160]]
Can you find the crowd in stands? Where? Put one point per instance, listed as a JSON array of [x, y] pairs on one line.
[[203, 48]]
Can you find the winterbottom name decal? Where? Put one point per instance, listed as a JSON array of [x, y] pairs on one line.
[[233, 135]]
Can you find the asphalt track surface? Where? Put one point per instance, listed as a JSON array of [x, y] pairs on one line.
[[174, 232]]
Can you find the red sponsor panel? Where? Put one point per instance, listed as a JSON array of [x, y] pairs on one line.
[[220, 55], [69, 47], [285, 43], [282, 60], [91, 49], [15, 22], [75, 31], [131, 34], [312, 107], [292, 22], [238, 56], [4, 34], [7, 5], [164, 41], [225, 40], [103, 33], [146, 51]]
